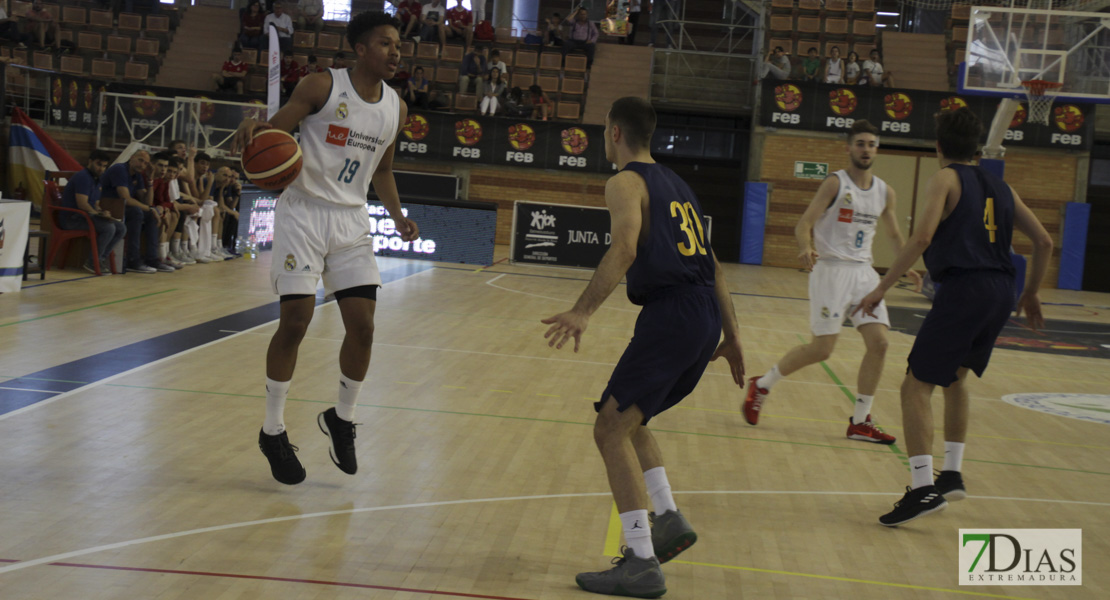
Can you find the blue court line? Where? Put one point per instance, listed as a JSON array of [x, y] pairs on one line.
[[45, 384]]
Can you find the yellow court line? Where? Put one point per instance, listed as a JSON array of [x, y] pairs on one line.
[[885, 426], [407, 382], [849, 580], [503, 391], [548, 395], [613, 535], [454, 387]]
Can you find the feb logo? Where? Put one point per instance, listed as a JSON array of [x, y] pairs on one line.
[[88, 96], [788, 97], [416, 127], [341, 111], [898, 105], [952, 103], [73, 89], [575, 141], [207, 110], [148, 107], [468, 132], [1068, 117], [521, 136], [254, 112], [56, 92], [843, 101], [1019, 117]]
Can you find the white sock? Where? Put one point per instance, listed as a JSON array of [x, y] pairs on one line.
[[660, 490], [175, 245], [637, 532], [953, 456], [163, 248], [771, 378], [921, 469], [348, 397], [215, 244], [276, 391], [863, 408]]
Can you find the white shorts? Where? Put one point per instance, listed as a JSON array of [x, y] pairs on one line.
[[314, 239], [834, 291]]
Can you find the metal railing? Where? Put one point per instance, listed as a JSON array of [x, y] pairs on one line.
[[29, 89], [155, 121]]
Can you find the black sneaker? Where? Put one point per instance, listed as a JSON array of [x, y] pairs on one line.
[[916, 503], [950, 484], [342, 436], [282, 456]]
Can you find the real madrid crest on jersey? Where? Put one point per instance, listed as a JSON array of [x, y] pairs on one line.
[[847, 197], [341, 111], [824, 310], [290, 262]]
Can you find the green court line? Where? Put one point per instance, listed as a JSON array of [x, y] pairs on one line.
[[590, 424], [66, 312]]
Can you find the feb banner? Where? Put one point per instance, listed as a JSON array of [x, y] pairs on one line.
[[909, 113], [15, 222]]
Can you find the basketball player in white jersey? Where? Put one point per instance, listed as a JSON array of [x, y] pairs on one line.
[[834, 238], [349, 121]]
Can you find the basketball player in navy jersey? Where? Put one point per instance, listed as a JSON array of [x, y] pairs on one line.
[[964, 233], [658, 242], [349, 121]]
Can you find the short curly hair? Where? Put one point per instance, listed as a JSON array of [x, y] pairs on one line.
[[365, 22]]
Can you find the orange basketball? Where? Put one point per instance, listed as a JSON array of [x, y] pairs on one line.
[[272, 160]]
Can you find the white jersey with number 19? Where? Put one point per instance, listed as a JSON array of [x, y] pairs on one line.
[[846, 229], [344, 141]]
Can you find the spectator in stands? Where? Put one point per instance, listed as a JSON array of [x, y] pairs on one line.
[[313, 67], [541, 104], [472, 71], [495, 62], [310, 15], [495, 87], [284, 26], [515, 105], [40, 23], [460, 24], [290, 74], [634, 8], [872, 72], [777, 65], [127, 182], [417, 89], [851, 69], [233, 76], [340, 61], [434, 18], [811, 65], [553, 30], [408, 11], [834, 67], [250, 25], [583, 36], [10, 30], [167, 211], [227, 191], [83, 193]]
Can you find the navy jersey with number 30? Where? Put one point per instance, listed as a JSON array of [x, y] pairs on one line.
[[976, 235], [676, 252]]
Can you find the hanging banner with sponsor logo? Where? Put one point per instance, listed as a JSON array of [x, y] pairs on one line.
[[502, 141], [909, 113]]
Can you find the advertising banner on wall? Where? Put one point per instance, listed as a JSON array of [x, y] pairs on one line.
[[909, 113]]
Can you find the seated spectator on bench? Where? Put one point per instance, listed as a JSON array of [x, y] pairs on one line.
[[873, 74], [495, 62], [10, 30], [233, 75], [811, 65], [310, 15], [473, 70], [312, 67], [206, 180], [515, 105], [777, 65], [418, 89], [541, 104], [40, 23], [583, 36], [167, 211], [227, 191], [290, 74], [851, 69], [284, 25], [834, 67], [460, 24], [83, 193], [495, 87], [552, 32], [127, 181], [433, 17], [250, 25], [409, 13]]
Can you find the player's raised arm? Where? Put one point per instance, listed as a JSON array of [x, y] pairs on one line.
[[625, 194], [803, 231], [894, 233], [310, 95]]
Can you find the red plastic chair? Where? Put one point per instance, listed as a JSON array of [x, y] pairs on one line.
[[60, 238]]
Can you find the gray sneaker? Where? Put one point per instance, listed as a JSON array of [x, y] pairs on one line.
[[632, 576], [671, 534]]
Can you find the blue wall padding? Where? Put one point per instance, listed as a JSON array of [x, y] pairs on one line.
[[753, 222], [1077, 216]]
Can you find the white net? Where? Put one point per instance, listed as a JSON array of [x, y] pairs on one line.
[[1040, 95]]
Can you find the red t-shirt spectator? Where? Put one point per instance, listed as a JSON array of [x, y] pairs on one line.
[[239, 70], [309, 69], [161, 192], [459, 17], [408, 9], [254, 22], [290, 71]]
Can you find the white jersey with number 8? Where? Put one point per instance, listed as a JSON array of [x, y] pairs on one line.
[[847, 227], [344, 141]]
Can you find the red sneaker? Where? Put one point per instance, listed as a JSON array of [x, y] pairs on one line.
[[867, 432], [754, 401]]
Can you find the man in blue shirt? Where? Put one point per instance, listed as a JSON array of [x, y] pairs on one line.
[[83, 193], [127, 181]]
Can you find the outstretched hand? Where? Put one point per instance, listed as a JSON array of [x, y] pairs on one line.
[[732, 352], [564, 326], [870, 302]]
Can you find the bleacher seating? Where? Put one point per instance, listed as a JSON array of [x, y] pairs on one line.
[[797, 25]]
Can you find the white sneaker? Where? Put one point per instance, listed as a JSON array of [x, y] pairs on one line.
[[183, 258], [201, 259]]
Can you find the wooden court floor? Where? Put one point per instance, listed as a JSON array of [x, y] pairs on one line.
[[478, 476]]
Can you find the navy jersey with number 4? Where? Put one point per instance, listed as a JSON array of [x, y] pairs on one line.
[[976, 236], [676, 252]]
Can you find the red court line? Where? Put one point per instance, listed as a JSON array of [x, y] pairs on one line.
[[285, 579]]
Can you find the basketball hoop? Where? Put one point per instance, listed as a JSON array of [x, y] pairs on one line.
[[1040, 102]]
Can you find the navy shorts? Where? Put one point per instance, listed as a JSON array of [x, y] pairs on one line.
[[969, 312], [674, 339]]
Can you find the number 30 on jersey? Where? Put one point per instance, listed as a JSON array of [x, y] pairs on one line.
[[690, 220]]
